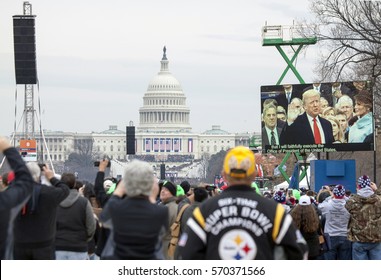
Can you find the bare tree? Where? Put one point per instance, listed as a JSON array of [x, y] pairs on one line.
[[215, 163], [204, 164], [349, 37], [81, 160], [350, 33]]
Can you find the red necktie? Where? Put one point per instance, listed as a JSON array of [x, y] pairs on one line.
[[259, 169], [316, 133]]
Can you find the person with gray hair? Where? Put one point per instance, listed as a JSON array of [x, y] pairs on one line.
[[35, 227], [270, 131], [345, 104], [298, 104], [137, 224]]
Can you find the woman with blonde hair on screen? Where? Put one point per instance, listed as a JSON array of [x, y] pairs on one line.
[[338, 133]]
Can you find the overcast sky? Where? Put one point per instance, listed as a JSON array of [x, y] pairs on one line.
[[95, 60]]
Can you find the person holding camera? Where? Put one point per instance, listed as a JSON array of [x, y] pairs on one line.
[[14, 197], [199, 194], [238, 223], [138, 225], [102, 196], [35, 226]]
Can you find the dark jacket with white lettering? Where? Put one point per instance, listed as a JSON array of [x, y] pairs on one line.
[[240, 224]]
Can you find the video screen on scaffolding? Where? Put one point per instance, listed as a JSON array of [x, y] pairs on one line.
[[318, 117]]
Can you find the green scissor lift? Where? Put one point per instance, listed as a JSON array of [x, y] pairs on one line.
[[278, 36]]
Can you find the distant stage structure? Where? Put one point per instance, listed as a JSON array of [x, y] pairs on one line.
[[163, 133]]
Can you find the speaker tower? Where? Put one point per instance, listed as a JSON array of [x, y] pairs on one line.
[[130, 141], [162, 171], [25, 49]]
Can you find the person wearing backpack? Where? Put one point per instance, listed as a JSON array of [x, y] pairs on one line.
[[196, 198]]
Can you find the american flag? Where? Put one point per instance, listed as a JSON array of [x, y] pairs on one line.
[[217, 179], [259, 170], [156, 144], [220, 182], [176, 144], [168, 145], [162, 145], [190, 145], [148, 144]]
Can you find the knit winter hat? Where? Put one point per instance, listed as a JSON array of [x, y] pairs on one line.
[[170, 187], [363, 182], [186, 186], [292, 200], [179, 190], [200, 194], [339, 191], [280, 197], [303, 190], [296, 194]]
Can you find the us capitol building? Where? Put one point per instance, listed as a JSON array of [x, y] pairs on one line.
[[164, 132]]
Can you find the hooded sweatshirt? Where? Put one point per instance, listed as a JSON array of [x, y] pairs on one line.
[[75, 223], [336, 217], [365, 223]]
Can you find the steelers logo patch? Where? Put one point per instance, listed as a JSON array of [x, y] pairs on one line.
[[237, 245]]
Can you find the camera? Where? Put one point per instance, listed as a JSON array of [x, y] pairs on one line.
[[42, 165], [96, 163], [210, 187]]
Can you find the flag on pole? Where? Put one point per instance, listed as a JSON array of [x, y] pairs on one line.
[[148, 144], [294, 182], [156, 144]]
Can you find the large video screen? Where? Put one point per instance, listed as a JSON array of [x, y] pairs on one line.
[[318, 117]]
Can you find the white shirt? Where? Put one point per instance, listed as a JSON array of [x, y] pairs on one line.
[[311, 122], [268, 131], [288, 96]]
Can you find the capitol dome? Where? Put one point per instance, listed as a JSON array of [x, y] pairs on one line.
[[164, 103], [164, 80]]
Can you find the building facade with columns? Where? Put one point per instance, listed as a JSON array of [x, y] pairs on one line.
[[163, 133]]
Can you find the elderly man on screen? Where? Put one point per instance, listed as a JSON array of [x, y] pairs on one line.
[[309, 127]]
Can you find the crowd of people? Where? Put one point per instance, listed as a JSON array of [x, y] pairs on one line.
[[318, 114], [136, 217]]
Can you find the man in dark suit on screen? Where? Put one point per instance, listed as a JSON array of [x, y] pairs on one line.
[[270, 131], [288, 93], [309, 127]]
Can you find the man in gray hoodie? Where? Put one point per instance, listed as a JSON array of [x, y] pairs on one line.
[[336, 225], [75, 224]]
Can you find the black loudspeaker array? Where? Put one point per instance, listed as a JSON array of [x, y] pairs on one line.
[[162, 171], [25, 49], [130, 141]]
